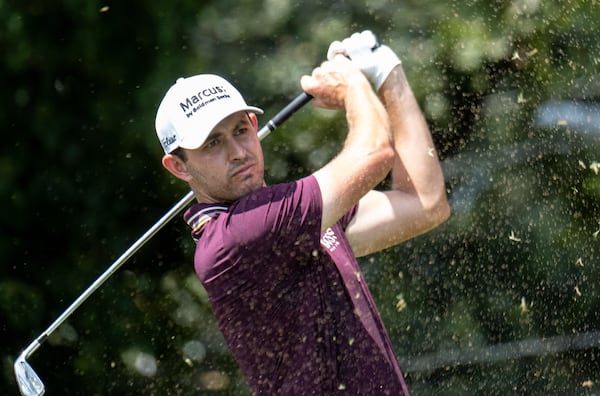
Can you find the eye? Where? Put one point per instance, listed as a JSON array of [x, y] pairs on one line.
[[243, 127], [241, 130], [211, 143]]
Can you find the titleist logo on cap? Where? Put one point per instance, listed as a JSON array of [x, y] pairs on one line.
[[202, 98], [168, 140]]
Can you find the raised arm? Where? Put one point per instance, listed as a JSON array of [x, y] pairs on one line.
[[367, 155], [417, 199]]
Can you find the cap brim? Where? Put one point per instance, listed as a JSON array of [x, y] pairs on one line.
[[195, 140]]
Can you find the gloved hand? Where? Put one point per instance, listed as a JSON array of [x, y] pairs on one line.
[[374, 60]]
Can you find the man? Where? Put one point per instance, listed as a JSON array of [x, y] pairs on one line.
[[278, 262]]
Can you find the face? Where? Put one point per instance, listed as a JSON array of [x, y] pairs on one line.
[[230, 163]]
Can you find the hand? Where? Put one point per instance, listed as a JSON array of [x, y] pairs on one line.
[[375, 61], [331, 82]]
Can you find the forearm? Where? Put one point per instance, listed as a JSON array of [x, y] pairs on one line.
[[417, 201], [365, 159], [337, 84], [416, 169], [368, 122], [367, 155]]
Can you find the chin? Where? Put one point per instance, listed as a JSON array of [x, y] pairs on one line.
[[252, 187], [240, 191]]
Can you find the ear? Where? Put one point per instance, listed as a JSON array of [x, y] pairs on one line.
[[176, 167], [253, 119]]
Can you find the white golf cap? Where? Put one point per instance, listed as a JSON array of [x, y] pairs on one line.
[[192, 107]]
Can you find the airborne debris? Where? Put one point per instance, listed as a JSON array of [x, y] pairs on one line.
[[579, 262], [214, 380], [104, 9], [587, 384], [523, 305], [513, 237], [532, 52], [401, 303], [595, 167]]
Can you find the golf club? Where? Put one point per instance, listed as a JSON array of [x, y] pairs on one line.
[[29, 382]]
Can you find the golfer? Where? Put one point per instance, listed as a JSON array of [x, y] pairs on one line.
[[279, 262]]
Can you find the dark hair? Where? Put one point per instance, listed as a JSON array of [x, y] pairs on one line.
[[179, 153]]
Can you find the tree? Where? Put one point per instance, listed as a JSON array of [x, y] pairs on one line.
[[509, 90]]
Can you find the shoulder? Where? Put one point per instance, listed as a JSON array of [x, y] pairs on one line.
[[278, 197], [269, 210], [256, 229]]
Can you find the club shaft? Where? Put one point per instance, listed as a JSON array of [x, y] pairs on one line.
[[273, 123], [114, 267], [284, 114]]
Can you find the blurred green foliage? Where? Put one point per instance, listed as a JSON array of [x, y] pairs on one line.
[[465, 305]]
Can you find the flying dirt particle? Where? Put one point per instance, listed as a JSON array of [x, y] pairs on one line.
[[513, 237], [532, 52], [400, 303], [587, 384], [214, 380], [523, 305]]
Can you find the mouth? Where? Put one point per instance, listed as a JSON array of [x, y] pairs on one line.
[[243, 171]]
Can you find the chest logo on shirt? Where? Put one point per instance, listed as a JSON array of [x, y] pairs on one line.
[[329, 240]]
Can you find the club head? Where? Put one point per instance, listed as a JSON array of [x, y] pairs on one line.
[[29, 382]]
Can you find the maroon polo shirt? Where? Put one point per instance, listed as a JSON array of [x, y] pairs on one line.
[[292, 304]]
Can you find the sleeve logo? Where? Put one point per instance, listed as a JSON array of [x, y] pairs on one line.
[[329, 240]]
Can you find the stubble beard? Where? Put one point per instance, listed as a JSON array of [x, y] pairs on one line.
[[235, 189]]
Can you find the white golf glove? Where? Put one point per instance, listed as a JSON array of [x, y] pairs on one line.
[[374, 60]]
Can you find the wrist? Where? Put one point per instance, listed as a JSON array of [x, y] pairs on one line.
[[386, 61], [357, 86]]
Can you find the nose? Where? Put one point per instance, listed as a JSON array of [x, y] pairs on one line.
[[235, 150]]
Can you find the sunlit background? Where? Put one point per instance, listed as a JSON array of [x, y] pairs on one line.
[[501, 300]]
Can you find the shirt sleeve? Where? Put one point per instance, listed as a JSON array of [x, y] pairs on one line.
[[261, 235], [279, 214]]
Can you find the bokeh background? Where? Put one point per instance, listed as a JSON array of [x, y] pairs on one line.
[[501, 300]]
